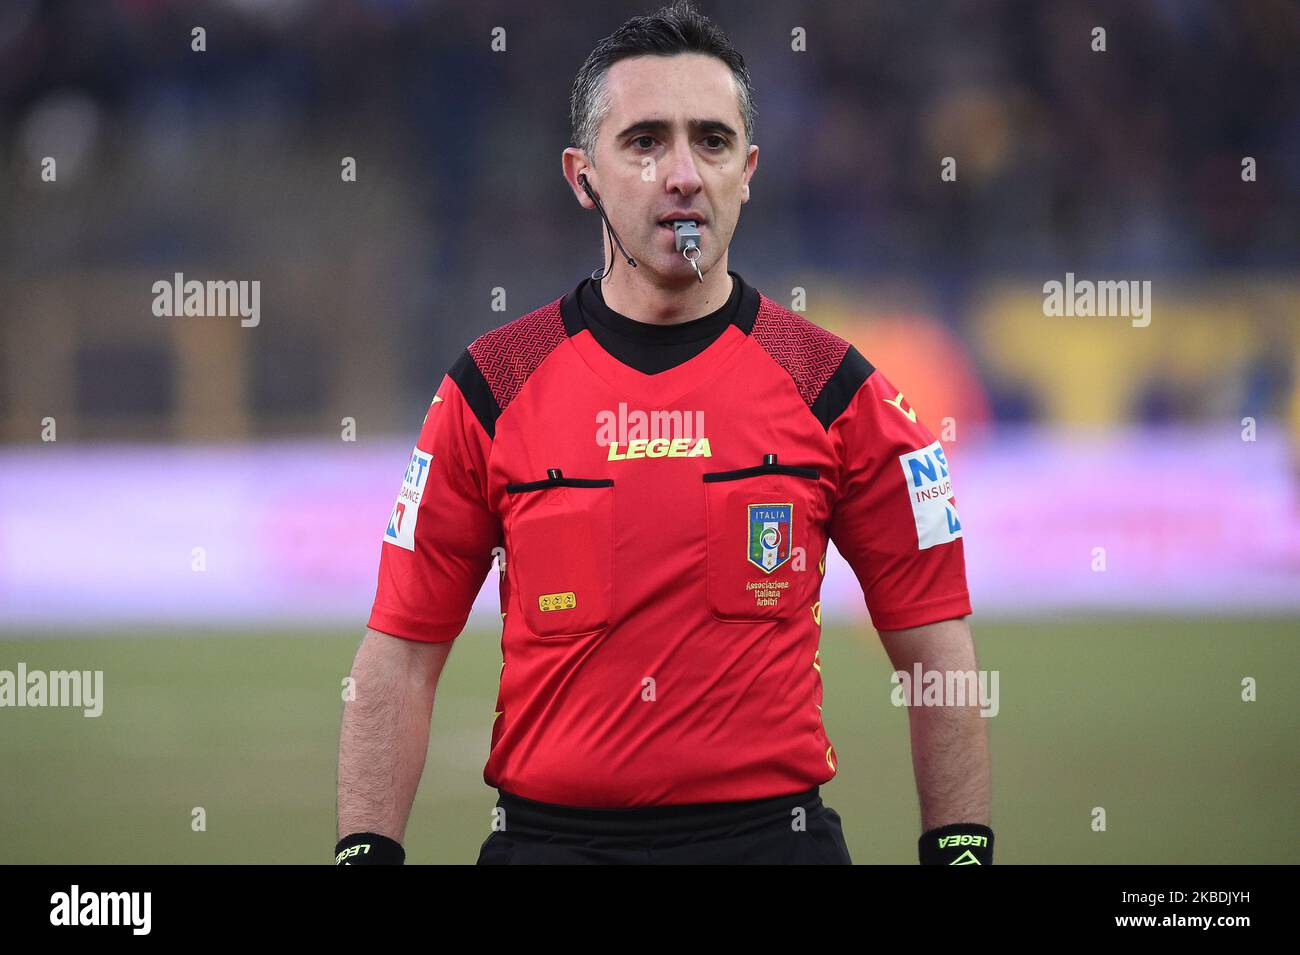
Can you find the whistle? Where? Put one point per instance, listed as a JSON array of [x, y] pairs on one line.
[[688, 239]]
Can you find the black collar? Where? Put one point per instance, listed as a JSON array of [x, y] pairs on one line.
[[584, 308]]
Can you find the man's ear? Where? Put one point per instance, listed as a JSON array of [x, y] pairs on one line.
[[574, 164], [751, 160]]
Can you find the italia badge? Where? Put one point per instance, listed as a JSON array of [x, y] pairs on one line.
[[769, 535]]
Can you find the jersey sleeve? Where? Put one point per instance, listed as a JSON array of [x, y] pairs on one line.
[[438, 545], [895, 519]]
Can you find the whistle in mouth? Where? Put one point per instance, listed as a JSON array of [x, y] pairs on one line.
[[688, 234], [688, 240]]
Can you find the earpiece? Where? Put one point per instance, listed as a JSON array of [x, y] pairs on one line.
[[586, 187]]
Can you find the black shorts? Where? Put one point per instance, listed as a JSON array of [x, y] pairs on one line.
[[798, 829]]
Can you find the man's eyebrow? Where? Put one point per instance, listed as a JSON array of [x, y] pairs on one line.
[[662, 126]]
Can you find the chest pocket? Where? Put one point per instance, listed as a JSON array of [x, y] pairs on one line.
[[560, 553], [762, 529]]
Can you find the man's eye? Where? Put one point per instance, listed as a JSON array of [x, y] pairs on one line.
[[637, 141], [721, 142]]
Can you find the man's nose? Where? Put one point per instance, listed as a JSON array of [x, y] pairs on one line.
[[681, 175]]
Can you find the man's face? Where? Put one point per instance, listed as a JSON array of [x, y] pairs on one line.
[[672, 147]]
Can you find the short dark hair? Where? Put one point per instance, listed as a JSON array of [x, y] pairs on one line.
[[670, 30]]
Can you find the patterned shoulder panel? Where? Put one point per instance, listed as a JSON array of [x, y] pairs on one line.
[[494, 368], [826, 369]]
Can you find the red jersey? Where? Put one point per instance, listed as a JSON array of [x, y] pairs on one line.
[[664, 539]]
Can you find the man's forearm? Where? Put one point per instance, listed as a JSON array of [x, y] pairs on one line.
[[950, 752], [383, 740], [950, 757]]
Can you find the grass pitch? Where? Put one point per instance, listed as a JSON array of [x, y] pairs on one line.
[[1142, 717]]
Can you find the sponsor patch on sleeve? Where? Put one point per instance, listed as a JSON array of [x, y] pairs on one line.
[[933, 505], [401, 523]]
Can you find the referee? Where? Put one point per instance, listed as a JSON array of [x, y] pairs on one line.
[[657, 461]]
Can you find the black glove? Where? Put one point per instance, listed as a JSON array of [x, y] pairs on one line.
[[368, 848], [961, 843]]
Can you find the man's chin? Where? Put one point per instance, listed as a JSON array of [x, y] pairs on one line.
[[671, 264], [677, 273]]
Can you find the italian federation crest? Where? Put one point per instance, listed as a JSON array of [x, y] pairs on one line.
[[769, 535]]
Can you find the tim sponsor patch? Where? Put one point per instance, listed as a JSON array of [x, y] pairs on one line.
[[933, 504], [401, 523]]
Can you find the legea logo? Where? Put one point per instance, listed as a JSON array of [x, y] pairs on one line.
[[651, 434]]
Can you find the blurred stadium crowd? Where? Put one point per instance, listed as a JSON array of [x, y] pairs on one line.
[[225, 164]]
